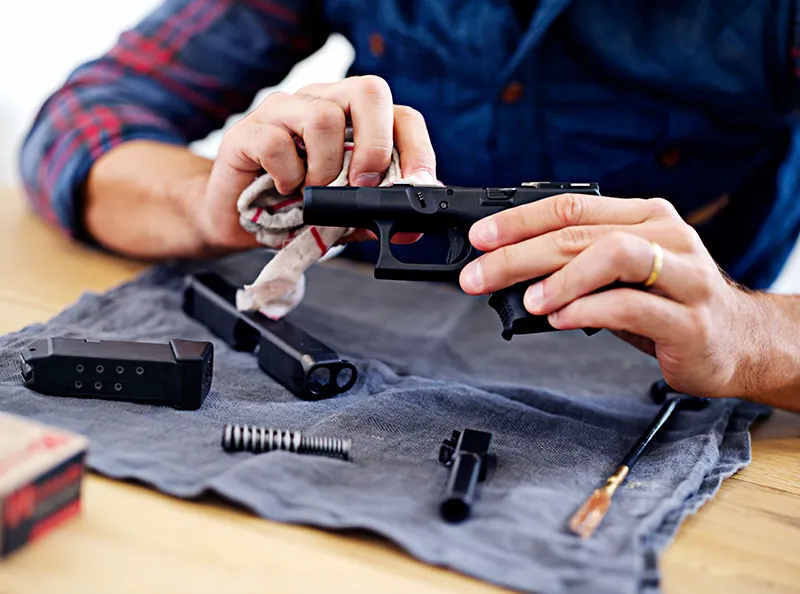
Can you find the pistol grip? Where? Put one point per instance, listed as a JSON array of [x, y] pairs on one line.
[[509, 305]]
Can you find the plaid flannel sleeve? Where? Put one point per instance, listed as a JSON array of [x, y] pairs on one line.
[[173, 78]]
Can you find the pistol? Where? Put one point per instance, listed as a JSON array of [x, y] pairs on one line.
[[453, 210]]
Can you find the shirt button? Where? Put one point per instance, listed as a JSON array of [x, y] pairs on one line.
[[512, 93], [670, 158], [376, 44]]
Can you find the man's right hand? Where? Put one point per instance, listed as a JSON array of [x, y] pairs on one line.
[[318, 114], [154, 200]]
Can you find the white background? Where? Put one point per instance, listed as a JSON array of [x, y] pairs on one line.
[[41, 41]]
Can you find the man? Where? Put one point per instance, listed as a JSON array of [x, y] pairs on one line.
[[689, 102]]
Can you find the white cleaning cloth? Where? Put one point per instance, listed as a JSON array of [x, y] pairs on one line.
[[277, 223]]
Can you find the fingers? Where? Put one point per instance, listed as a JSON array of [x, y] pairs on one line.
[[406, 238], [367, 102], [543, 255], [565, 210], [615, 257], [317, 120], [319, 115], [367, 235], [379, 125], [264, 140], [529, 259], [372, 114], [244, 150], [665, 322], [413, 143], [217, 222], [358, 235]]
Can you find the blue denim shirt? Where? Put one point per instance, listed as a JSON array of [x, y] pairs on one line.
[[689, 101]]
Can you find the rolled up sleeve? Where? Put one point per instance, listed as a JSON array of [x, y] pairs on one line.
[[173, 78]]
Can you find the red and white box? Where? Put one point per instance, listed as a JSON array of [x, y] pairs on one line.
[[41, 479]]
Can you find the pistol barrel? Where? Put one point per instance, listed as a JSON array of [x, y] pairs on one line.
[[359, 207], [467, 454], [461, 485]]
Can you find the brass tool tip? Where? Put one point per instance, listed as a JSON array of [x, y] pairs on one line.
[[591, 513], [586, 520]]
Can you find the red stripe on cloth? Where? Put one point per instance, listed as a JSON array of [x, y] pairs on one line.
[[255, 216], [321, 244], [289, 237], [283, 204]]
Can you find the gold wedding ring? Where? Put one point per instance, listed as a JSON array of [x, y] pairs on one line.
[[658, 263]]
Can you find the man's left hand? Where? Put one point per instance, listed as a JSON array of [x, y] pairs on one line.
[[694, 320]]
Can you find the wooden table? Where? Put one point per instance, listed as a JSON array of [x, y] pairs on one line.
[[131, 539]]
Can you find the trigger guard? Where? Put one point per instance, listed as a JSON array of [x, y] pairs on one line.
[[389, 267], [385, 232]]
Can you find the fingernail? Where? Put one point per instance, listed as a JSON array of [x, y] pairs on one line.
[[473, 277], [424, 178], [370, 180], [534, 297], [553, 318], [487, 232]]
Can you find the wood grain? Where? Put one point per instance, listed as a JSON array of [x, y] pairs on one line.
[[38, 266], [132, 539], [141, 541]]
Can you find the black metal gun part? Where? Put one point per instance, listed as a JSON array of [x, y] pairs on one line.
[[177, 374], [405, 208], [468, 456], [299, 362]]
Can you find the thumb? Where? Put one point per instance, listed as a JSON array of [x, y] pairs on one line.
[[216, 212]]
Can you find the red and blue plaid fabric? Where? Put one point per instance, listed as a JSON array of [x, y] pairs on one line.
[[175, 77]]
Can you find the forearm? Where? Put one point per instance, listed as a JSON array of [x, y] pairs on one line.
[[769, 372], [140, 199], [83, 163]]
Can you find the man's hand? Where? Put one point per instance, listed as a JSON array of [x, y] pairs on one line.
[[705, 331], [152, 200], [318, 114]]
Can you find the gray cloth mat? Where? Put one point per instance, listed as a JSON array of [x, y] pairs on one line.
[[563, 408]]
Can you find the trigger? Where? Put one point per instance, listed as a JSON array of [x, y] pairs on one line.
[[456, 245]]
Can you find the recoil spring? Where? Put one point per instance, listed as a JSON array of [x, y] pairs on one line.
[[244, 438]]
